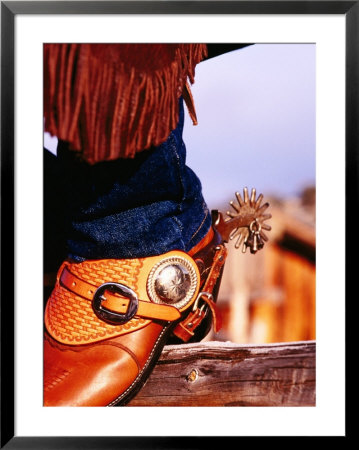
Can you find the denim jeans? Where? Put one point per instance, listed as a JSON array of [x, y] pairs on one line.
[[127, 208]]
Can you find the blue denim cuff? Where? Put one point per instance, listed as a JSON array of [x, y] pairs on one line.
[[134, 208]]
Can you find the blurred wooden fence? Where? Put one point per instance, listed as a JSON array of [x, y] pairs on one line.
[[270, 296]]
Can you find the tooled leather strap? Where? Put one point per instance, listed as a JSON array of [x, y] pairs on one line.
[[115, 303], [185, 329]]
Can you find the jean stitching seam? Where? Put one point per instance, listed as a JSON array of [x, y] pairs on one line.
[[200, 226], [177, 158]]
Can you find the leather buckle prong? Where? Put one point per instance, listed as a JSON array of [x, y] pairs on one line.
[[111, 317]]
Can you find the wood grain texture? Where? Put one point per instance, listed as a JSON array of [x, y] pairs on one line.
[[228, 374]]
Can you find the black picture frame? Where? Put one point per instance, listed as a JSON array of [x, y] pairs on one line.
[[9, 9]]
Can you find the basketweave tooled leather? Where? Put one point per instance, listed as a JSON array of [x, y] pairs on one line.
[[89, 362]]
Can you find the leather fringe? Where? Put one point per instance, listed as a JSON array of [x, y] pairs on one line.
[[111, 101]]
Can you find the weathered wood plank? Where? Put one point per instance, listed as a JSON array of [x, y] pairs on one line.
[[228, 374]]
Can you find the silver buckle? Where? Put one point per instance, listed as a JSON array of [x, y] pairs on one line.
[[111, 317]]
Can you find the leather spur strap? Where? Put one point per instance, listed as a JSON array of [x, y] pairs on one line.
[[185, 329], [98, 299], [115, 303]]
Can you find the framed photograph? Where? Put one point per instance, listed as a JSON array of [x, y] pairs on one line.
[[330, 29]]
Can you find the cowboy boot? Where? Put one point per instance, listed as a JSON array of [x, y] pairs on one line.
[[107, 321]]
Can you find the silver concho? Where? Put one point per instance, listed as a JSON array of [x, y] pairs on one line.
[[172, 281]]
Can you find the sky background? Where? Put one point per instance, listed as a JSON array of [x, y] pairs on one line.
[[256, 122]]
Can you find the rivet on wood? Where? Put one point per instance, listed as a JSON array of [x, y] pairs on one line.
[[192, 376]]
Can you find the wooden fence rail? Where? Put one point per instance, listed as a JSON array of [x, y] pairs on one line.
[[228, 374]]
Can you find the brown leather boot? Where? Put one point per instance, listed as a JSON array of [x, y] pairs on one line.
[[107, 321]]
